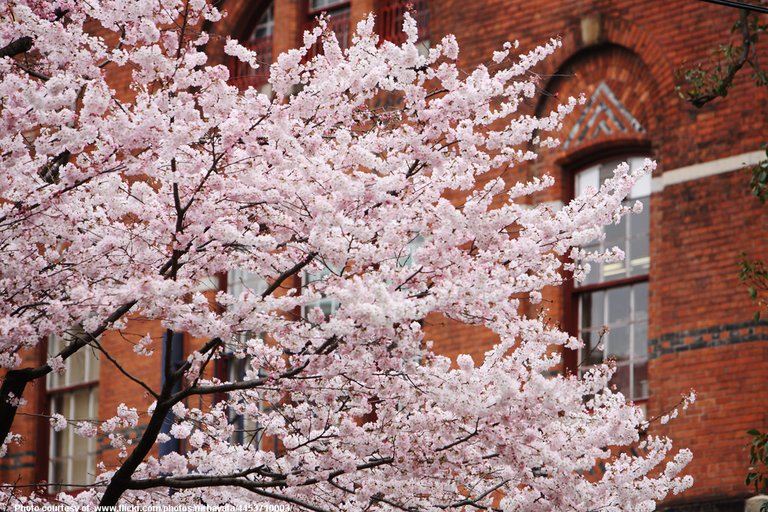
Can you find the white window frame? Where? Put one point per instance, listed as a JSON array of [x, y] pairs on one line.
[[265, 26], [246, 428], [66, 388], [590, 177]]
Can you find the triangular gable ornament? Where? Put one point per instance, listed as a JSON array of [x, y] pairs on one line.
[[603, 114]]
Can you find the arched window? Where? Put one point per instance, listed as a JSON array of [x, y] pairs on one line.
[[615, 295], [259, 39]]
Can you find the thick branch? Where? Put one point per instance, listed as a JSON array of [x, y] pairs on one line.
[[195, 481], [122, 477], [238, 480], [218, 388], [210, 345], [16, 380], [17, 46], [288, 273]]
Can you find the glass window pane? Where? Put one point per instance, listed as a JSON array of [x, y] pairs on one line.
[[80, 468], [80, 450], [54, 379], [591, 324], [640, 339], [266, 24], [587, 178], [639, 259], [81, 399], [625, 308], [585, 308], [72, 456], [615, 236], [59, 473], [642, 187], [61, 448], [407, 257], [618, 343], [594, 353], [640, 302], [639, 253], [597, 317], [328, 306], [93, 365], [640, 222], [595, 274], [618, 300], [631, 234], [239, 281], [607, 168], [640, 379], [312, 277], [75, 373], [621, 379]]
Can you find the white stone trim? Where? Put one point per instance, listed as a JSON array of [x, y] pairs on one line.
[[705, 169]]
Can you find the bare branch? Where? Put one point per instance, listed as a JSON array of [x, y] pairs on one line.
[[123, 370]]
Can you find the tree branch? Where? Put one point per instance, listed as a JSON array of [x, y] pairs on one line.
[[16, 380], [725, 83], [124, 371], [17, 46], [288, 273]]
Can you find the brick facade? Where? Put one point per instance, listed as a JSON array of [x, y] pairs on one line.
[[701, 334]]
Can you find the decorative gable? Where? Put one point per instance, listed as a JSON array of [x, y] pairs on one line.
[[603, 114]]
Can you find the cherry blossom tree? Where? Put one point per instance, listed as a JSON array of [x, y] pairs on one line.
[[119, 206]]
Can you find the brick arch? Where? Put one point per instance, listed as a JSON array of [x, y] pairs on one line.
[[621, 94], [614, 31]]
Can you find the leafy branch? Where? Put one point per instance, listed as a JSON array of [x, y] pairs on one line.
[[705, 85], [758, 459], [754, 274]]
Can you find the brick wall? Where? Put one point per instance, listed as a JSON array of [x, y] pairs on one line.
[[700, 330]]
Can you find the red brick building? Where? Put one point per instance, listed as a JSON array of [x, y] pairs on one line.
[[678, 316]]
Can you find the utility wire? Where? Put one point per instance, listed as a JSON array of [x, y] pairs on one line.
[[739, 5]]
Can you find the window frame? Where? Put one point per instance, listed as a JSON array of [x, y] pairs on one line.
[[340, 22], [55, 391], [390, 19], [574, 360], [233, 364], [329, 7]]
